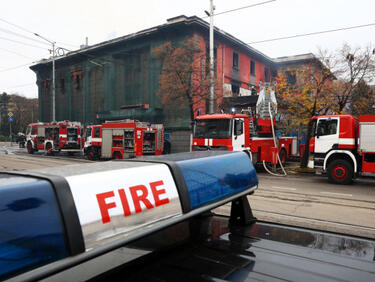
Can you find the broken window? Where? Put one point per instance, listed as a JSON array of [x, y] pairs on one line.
[[266, 75], [77, 77], [235, 60], [62, 85], [252, 68], [235, 88], [290, 77]]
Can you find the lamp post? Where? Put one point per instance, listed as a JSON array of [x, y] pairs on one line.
[[53, 75], [211, 99]]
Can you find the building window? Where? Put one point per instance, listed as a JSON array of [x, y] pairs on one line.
[[290, 77], [252, 68], [62, 85], [266, 75], [235, 60], [235, 88], [77, 78]]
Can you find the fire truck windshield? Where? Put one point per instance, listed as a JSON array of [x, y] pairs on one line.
[[213, 128], [88, 132]]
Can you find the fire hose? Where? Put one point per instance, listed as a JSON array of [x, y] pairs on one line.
[[275, 143]]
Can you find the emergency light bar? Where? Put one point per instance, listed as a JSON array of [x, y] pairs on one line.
[[81, 212]]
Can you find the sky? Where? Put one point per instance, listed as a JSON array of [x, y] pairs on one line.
[[69, 22]]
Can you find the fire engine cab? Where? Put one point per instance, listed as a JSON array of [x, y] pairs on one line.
[[123, 139], [64, 136], [343, 146], [246, 131]]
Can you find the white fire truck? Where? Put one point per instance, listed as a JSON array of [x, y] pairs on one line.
[[123, 139], [246, 131], [63, 136], [343, 147]]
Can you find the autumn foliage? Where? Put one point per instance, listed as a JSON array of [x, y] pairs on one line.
[[183, 78]]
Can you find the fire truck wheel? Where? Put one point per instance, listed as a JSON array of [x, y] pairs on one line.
[[340, 172], [30, 149], [49, 149], [117, 156], [90, 154]]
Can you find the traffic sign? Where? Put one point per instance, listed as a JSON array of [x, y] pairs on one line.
[[10, 119], [10, 114]]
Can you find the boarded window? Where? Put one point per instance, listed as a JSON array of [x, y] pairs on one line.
[[252, 68], [266, 75], [235, 60]]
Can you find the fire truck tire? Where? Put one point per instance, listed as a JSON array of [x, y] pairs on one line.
[[340, 172], [282, 156], [49, 149], [30, 149], [91, 154], [117, 156]]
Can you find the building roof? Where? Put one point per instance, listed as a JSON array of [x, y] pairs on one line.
[[171, 23], [296, 58]]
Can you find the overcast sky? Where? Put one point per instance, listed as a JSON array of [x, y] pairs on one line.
[[69, 22]]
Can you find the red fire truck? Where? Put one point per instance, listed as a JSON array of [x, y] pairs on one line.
[[343, 147], [123, 139], [246, 131], [64, 136]]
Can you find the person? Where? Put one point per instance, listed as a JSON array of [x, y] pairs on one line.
[[166, 146]]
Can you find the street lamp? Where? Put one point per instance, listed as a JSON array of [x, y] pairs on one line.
[[212, 73], [53, 75]]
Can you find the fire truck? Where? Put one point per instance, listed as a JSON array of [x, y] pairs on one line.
[[343, 147], [63, 136], [123, 139], [246, 131]]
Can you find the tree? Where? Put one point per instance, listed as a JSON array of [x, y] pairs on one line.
[[351, 66], [309, 93], [183, 78], [24, 112], [362, 100]]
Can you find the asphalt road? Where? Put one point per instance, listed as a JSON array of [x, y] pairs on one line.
[[302, 200]]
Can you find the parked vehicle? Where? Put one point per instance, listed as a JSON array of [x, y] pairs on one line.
[[343, 147], [246, 131], [63, 136], [156, 220], [123, 139]]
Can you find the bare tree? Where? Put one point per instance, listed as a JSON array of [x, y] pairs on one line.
[[351, 66]]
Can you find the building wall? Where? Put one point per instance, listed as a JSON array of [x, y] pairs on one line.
[[92, 87]]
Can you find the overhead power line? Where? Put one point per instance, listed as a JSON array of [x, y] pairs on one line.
[[17, 67], [17, 26], [23, 43], [20, 35], [312, 33], [16, 53], [241, 8], [20, 86]]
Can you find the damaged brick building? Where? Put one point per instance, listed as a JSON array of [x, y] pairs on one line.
[[119, 79]]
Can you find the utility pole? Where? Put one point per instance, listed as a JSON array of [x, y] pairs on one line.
[[212, 97], [53, 75]]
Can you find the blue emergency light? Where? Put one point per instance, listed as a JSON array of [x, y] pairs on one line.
[[81, 212]]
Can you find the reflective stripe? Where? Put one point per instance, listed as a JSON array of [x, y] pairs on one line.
[[346, 141]]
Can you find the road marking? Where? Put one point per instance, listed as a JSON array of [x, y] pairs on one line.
[[284, 188], [337, 194]]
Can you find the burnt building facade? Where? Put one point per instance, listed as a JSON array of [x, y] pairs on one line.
[[119, 79]]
